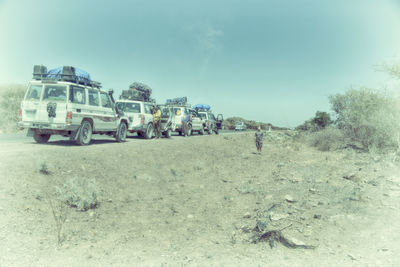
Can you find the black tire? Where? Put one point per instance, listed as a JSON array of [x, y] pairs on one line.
[[140, 134], [41, 138], [180, 132], [201, 132], [168, 133], [85, 134], [121, 132], [149, 131]]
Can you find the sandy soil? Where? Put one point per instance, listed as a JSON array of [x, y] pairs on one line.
[[201, 201]]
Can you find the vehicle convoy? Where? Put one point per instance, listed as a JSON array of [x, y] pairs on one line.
[[240, 126], [65, 101], [137, 106], [209, 121], [182, 109]]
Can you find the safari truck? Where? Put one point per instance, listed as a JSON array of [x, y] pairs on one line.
[[139, 115], [210, 123], [181, 109], [65, 101]]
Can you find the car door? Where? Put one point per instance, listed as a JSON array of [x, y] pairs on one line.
[[94, 108], [109, 117]]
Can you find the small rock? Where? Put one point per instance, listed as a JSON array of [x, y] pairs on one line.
[[91, 214], [276, 217], [317, 216], [313, 190], [290, 199], [247, 215], [109, 200], [190, 216]]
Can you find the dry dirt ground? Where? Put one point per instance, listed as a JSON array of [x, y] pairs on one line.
[[201, 201]]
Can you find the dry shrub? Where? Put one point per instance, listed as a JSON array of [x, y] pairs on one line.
[[368, 117], [328, 139], [10, 102], [80, 193]]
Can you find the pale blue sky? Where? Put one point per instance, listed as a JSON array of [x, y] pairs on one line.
[[273, 60]]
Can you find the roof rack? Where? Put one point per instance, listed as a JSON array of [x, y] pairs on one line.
[[66, 74], [178, 101]]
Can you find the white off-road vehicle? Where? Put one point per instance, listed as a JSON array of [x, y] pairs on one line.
[[64, 101], [140, 116], [181, 109]]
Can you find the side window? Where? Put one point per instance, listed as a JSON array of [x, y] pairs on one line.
[[105, 100], [147, 109], [34, 92], [93, 97], [77, 95], [211, 116]]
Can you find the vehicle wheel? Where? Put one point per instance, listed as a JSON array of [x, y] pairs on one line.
[[140, 134], [201, 131], [149, 132], [85, 134], [121, 132], [41, 138], [189, 130], [180, 133], [168, 133]]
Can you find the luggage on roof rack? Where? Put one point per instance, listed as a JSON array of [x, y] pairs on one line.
[[177, 101], [65, 73], [134, 94], [202, 107]]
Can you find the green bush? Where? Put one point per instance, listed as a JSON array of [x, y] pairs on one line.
[[10, 102], [328, 139], [368, 117], [319, 122], [80, 193]]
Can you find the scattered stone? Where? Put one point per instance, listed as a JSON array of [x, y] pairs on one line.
[[313, 190], [190, 216], [352, 257], [109, 200], [290, 199], [247, 215], [317, 216], [276, 216]]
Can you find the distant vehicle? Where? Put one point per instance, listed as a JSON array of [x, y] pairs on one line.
[[240, 126], [209, 121], [197, 123], [139, 115], [182, 109], [220, 122], [65, 101]]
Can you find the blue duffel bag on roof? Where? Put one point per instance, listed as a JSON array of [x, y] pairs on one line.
[[201, 106]]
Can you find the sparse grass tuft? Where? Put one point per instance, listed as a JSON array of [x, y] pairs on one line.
[[80, 193], [44, 168]]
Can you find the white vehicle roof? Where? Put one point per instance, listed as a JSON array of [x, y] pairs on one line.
[[40, 82]]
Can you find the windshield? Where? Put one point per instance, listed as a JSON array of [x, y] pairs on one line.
[[34, 92], [203, 116], [129, 107], [55, 93]]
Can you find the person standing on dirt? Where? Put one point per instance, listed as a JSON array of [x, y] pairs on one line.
[[259, 138], [156, 121], [185, 122]]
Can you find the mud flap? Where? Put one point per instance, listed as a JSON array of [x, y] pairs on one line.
[[74, 135], [30, 132]]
